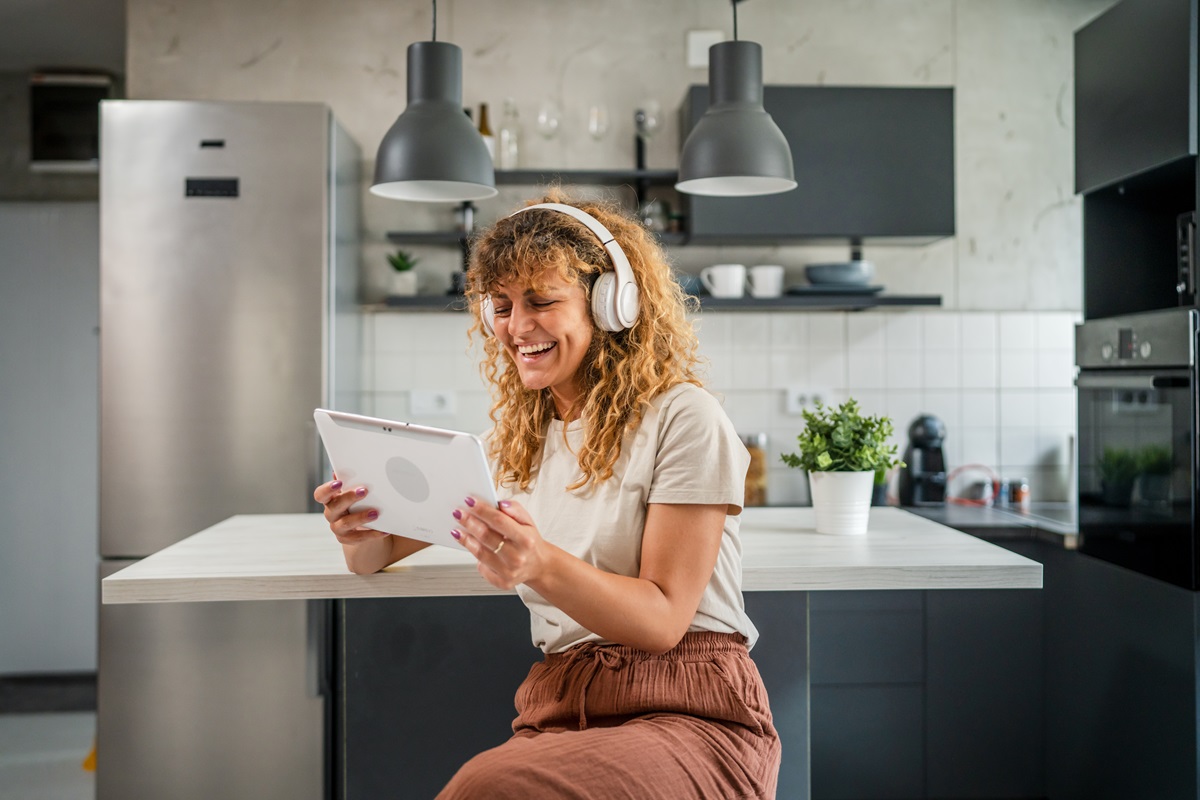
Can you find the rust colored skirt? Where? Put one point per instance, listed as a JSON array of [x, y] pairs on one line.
[[609, 721]]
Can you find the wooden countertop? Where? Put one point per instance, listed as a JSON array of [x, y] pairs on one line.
[[294, 556]]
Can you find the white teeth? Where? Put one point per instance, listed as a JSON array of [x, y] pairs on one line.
[[530, 349]]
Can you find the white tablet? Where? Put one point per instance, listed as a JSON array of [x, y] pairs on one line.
[[415, 475]]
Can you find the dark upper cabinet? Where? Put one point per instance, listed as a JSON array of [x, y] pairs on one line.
[[872, 163], [1135, 153], [1135, 90]]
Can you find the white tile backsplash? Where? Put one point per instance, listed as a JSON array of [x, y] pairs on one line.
[[789, 332], [826, 331], [751, 370], [980, 409], [1018, 331], [865, 369], [942, 369], [942, 332], [1056, 330], [827, 368], [979, 331], [1055, 369], [1056, 408], [904, 369], [1001, 382], [865, 331], [979, 446], [904, 332], [1018, 369]]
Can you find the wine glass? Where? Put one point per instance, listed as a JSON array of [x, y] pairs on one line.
[[597, 121], [648, 118], [548, 119]]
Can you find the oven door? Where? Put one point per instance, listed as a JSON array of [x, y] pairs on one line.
[[1137, 470]]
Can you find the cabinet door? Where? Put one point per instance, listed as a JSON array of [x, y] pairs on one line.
[[1135, 92], [870, 162], [426, 683], [984, 695]]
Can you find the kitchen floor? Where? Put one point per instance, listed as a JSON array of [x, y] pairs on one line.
[[41, 756]]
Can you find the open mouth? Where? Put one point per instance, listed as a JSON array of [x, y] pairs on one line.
[[532, 352]]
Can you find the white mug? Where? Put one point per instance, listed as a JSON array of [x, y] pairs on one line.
[[724, 280], [766, 280]]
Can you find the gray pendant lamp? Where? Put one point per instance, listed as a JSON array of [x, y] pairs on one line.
[[736, 149], [432, 153]]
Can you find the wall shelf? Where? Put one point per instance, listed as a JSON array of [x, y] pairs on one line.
[[587, 177], [823, 302], [425, 237], [455, 237]]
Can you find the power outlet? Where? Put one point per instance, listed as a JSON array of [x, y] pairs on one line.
[[433, 403], [801, 398]]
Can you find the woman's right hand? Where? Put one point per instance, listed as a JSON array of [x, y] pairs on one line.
[[349, 528], [366, 549]]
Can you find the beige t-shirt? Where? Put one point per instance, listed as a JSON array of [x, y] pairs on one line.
[[684, 451]]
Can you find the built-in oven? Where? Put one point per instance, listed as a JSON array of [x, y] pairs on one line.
[[1137, 415]]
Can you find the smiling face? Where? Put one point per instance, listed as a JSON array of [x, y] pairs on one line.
[[546, 328]]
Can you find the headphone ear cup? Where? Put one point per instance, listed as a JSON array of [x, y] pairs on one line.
[[603, 302], [487, 315]]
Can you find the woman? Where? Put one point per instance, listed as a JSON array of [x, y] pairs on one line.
[[621, 483]]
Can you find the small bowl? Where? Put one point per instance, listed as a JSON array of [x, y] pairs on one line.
[[856, 273]]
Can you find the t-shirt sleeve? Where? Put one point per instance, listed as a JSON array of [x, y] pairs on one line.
[[700, 458]]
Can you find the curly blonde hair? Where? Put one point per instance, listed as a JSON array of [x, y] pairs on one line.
[[622, 371]]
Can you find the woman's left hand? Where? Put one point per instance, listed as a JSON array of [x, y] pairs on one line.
[[503, 540]]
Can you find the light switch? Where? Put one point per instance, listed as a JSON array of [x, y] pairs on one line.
[[698, 43], [433, 403]]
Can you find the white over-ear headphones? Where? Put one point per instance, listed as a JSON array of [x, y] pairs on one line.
[[614, 295]]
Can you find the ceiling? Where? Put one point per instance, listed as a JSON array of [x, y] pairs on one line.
[[79, 34]]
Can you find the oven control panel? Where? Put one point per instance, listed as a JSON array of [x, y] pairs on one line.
[[1129, 347], [1151, 339]]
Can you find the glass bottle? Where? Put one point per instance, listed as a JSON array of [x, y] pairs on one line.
[[485, 130], [509, 141], [756, 473]]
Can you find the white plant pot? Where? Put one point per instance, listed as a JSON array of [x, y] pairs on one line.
[[404, 284], [842, 501]]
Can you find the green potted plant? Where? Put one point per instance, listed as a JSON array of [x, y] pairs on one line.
[[845, 453], [1118, 470], [1155, 464], [404, 277]]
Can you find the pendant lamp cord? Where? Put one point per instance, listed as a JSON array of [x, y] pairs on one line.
[[734, 3], [435, 21]]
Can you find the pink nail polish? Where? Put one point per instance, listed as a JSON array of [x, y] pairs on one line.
[[470, 501], [335, 485], [455, 533], [372, 514], [361, 491], [456, 514], [505, 504]]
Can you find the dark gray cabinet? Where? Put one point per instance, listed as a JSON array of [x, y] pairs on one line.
[[1136, 106], [1135, 90], [984, 695], [1121, 683], [867, 684], [423, 684], [872, 163]]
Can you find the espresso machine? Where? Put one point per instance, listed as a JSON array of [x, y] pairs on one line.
[[923, 477]]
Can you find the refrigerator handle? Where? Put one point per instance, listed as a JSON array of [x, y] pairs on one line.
[[318, 648], [316, 466]]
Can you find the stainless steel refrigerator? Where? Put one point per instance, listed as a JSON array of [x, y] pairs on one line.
[[228, 237]]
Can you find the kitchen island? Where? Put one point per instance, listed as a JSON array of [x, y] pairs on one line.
[[432, 642]]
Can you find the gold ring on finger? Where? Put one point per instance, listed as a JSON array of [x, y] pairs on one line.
[[500, 546]]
